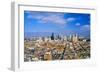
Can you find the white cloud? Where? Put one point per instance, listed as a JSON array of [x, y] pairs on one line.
[[31, 16], [54, 18], [85, 28], [77, 24], [70, 19]]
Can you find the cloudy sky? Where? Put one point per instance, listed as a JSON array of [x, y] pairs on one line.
[[57, 22]]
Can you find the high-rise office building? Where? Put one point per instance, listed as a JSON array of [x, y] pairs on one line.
[[75, 38]]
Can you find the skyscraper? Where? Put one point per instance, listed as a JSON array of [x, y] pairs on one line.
[[75, 38]]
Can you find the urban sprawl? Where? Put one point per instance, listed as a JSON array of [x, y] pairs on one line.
[[56, 47]]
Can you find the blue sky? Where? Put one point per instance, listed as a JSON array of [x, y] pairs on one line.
[[57, 22]]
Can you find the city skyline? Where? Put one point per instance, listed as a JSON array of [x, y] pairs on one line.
[[56, 22], [56, 36]]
